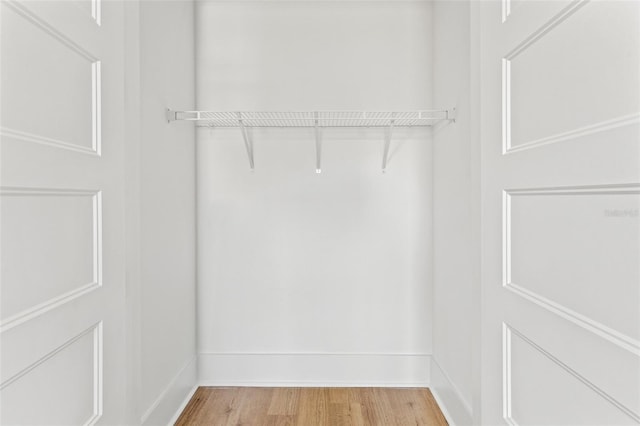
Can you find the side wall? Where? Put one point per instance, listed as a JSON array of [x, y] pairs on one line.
[[162, 232], [455, 219], [305, 278]]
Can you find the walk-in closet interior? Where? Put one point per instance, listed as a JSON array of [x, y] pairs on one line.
[[304, 195]]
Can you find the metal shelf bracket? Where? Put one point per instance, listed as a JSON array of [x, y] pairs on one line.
[[452, 115], [247, 141], [318, 145], [387, 143], [171, 115]]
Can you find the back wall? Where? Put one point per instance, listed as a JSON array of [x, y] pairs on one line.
[[309, 278]]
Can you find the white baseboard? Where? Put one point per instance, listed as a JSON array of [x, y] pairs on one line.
[[453, 405], [182, 406], [174, 398], [314, 369]]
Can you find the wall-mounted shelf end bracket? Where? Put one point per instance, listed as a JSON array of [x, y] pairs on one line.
[[182, 115], [452, 114]]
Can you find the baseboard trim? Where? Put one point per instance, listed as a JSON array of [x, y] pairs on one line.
[[174, 397], [314, 370], [455, 408], [182, 406], [325, 384], [309, 370]]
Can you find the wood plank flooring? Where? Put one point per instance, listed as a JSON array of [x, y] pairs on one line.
[[311, 407]]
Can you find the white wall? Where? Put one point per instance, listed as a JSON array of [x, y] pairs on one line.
[[455, 277], [317, 278], [162, 209]]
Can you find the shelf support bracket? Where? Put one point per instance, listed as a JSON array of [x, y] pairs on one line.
[[171, 115], [452, 114], [318, 145], [387, 143], [248, 144]]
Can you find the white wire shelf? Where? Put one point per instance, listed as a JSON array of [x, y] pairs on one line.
[[314, 119]]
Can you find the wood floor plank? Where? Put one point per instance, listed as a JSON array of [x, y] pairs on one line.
[[339, 414], [376, 407], [434, 409], [339, 395], [313, 407], [222, 407], [279, 420], [355, 414], [248, 406], [254, 406], [408, 409], [284, 401]]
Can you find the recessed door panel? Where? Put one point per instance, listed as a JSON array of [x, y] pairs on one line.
[[50, 84], [543, 390], [578, 249], [51, 249], [564, 79], [64, 386]]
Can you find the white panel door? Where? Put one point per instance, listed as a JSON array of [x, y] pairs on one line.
[[560, 211], [61, 213]]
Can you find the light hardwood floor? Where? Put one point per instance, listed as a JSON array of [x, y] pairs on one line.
[[311, 407]]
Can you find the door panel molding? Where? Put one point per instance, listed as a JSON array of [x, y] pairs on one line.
[[66, 297], [548, 26], [96, 86], [96, 332], [623, 117], [507, 338], [610, 334], [603, 126]]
